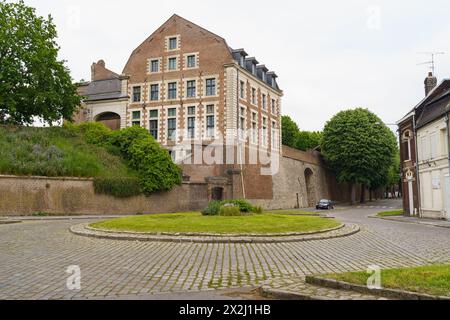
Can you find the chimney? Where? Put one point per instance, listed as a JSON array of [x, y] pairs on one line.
[[430, 83], [96, 68]]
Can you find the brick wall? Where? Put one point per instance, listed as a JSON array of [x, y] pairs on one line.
[[28, 195]]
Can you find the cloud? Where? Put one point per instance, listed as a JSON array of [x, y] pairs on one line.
[[329, 55]]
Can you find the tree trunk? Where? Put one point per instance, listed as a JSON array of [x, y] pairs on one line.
[[353, 194], [370, 194], [363, 193]]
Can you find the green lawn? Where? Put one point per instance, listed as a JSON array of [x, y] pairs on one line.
[[391, 213], [195, 222], [294, 212], [434, 279], [56, 152]]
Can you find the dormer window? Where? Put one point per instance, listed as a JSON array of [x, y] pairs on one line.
[[254, 69], [264, 78], [242, 61]]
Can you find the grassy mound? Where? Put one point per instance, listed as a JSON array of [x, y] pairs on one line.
[[56, 152], [195, 222]]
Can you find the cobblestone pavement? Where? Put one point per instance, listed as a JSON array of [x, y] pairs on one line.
[[298, 289], [34, 257]]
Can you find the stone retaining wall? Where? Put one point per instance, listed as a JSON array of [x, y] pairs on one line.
[[29, 195]]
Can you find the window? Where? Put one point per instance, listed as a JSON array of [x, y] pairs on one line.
[[242, 123], [154, 66], [210, 87], [274, 109], [254, 128], [191, 127], [136, 118], [154, 92], [154, 123], [191, 61], [191, 111], [172, 63], [172, 90], [136, 94], [171, 124], [242, 90], [210, 121], [253, 95], [191, 89], [173, 43], [172, 112], [264, 102]]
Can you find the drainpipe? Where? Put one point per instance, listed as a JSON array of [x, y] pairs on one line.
[[447, 131]]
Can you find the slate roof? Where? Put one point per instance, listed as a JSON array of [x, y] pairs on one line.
[[104, 90]]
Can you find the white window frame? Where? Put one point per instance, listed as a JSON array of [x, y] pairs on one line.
[[167, 40], [186, 88], [216, 82], [159, 59], [205, 118], [195, 116], [158, 120], [177, 63], [196, 58], [254, 131], [177, 90], [167, 108], [133, 120]]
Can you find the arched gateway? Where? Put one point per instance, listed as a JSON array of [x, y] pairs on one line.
[[109, 119]]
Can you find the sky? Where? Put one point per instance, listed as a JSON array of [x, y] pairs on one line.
[[329, 55]]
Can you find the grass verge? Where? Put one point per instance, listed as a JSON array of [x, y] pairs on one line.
[[433, 279], [195, 222], [394, 213]]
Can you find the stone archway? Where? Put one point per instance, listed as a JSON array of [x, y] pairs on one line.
[[310, 188], [109, 119]]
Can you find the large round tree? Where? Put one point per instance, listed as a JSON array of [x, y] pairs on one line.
[[33, 82], [359, 147]]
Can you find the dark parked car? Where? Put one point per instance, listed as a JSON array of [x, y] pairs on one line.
[[325, 205]]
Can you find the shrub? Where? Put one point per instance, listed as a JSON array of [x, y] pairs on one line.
[[124, 138], [244, 206], [230, 211], [118, 187], [213, 208], [95, 133], [154, 165]]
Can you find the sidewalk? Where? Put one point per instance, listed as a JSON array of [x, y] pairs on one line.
[[423, 221]]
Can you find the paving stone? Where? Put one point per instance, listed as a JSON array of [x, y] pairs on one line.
[[34, 257]]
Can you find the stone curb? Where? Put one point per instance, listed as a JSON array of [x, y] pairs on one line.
[[83, 230], [430, 224], [217, 235], [269, 292], [9, 222], [387, 293]]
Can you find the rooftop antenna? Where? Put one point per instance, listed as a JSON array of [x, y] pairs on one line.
[[431, 63]]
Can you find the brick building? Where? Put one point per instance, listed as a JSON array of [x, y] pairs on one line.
[[193, 92]]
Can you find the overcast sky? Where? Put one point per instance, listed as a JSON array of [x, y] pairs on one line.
[[329, 55]]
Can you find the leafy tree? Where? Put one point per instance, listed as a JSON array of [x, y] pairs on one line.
[[33, 82], [289, 132], [307, 140], [359, 147]]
